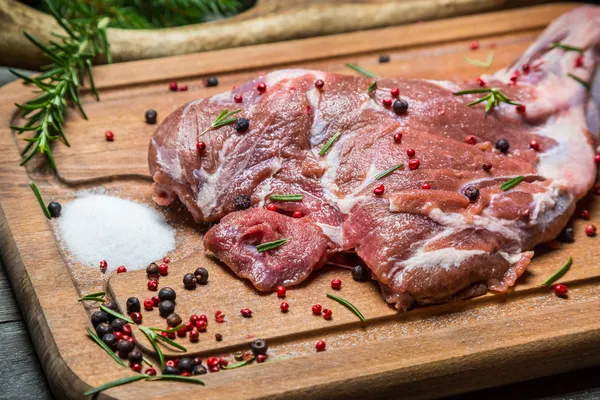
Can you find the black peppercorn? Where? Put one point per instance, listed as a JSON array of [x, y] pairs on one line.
[[103, 328], [117, 324], [111, 304], [185, 364], [400, 106], [189, 281], [152, 270], [55, 209], [212, 81], [238, 355], [503, 145], [167, 293], [259, 346], [151, 116], [242, 202], [218, 337], [242, 125], [472, 193], [360, 273], [133, 305], [124, 347], [170, 371], [384, 59], [174, 320], [135, 357], [99, 317], [110, 340], [166, 308], [201, 276], [567, 235], [199, 370]]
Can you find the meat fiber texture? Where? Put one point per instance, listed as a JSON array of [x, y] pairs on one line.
[[422, 246]]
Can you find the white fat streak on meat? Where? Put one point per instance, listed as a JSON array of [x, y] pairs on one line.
[[168, 160], [450, 86], [334, 233]]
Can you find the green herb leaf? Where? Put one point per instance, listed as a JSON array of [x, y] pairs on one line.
[[511, 183], [329, 143], [239, 364], [482, 64], [494, 97], [559, 274], [286, 197], [115, 314], [566, 47], [388, 171], [177, 378], [100, 343], [585, 84], [171, 342], [171, 330], [98, 299], [361, 70], [271, 245], [97, 294], [348, 305], [151, 338], [224, 118], [144, 359], [118, 382], [40, 199], [372, 87]]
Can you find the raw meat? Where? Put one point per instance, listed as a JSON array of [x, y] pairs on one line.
[[423, 246]]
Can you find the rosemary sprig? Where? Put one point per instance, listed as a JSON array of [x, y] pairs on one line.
[[372, 87], [286, 197], [511, 183], [559, 274], [361, 70], [388, 171], [239, 364], [348, 305], [100, 343], [115, 314], [40, 199], [172, 330], [71, 59], [98, 296], [493, 97], [224, 118], [329, 143], [585, 84], [271, 245], [118, 382], [152, 339], [178, 378], [171, 342], [566, 47], [482, 64]]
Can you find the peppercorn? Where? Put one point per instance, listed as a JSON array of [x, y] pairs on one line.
[[259, 346], [219, 316], [126, 329], [55, 209], [284, 306], [384, 59], [486, 167], [200, 146], [124, 347], [110, 340], [150, 372], [261, 358], [99, 317], [135, 356], [183, 88], [414, 164], [472, 140], [246, 312], [400, 106], [502, 145], [170, 371], [297, 214], [185, 364], [174, 320], [319, 84], [561, 290], [398, 137], [242, 125], [238, 355], [151, 116], [136, 367], [316, 309], [197, 360], [201, 325], [136, 317], [152, 270], [327, 313], [103, 265], [238, 98], [173, 86], [272, 207], [109, 136], [148, 304], [261, 87], [242, 202], [218, 337], [281, 291], [189, 281], [199, 370], [320, 345], [567, 235], [336, 284], [152, 285], [410, 152], [534, 145], [166, 308], [387, 102], [133, 305], [117, 324], [201, 276], [426, 186], [472, 193], [379, 190], [121, 269], [212, 81], [194, 335], [163, 269], [590, 230], [360, 273], [103, 328], [395, 92], [167, 293]]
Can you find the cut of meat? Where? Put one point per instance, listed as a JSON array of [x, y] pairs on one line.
[[462, 237]]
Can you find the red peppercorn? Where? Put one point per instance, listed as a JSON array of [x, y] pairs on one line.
[[246, 312], [238, 98], [103, 265], [525, 67], [410, 152], [148, 304], [109, 136], [125, 337], [194, 318], [189, 326], [521, 108], [163, 269], [284, 307], [181, 332], [121, 269], [481, 82], [261, 87], [297, 214], [173, 86], [223, 362], [590, 230], [585, 214], [471, 139], [579, 61], [379, 190], [186, 373], [281, 291], [194, 335], [203, 317], [597, 159], [136, 317], [201, 325], [272, 207], [119, 335], [398, 137], [561, 290], [197, 361], [183, 88], [426, 186], [321, 345], [395, 92], [387, 102], [220, 316], [261, 358], [156, 301], [126, 329], [130, 339], [150, 371], [534, 145], [212, 362], [136, 367], [166, 260], [319, 84], [171, 363], [514, 77], [413, 164], [153, 285], [336, 284], [474, 45], [327, 313], [200, 146], [487, 166], [316, 309]]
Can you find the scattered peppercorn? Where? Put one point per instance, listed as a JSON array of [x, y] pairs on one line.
[[200, 146], [525, 68], [201, 275], [259, 346], [136, 367], [174, 320], [394, 92], [585, 214], [212, 81], [219, 316], [55, 209], [426, 186], [201, 325], [487, 166], [151, 116], [181, 332], [474, 45], [502, 145], [297, 214], [398, 137], [242, 125], [400, 106], [387, 102], [124, 347], [281, 291], [561, 290], [111, 304], [384, 59], [521, 108], [185, 364], [103, 265], [136, 317], [316, 309], [199, 370], [148, 304], [597, 159], [567, 235], [117, 324], [170, 371], [99, 317], [152, 285], [156, 301], [109, 136], [242, 202], [534, 145], [472, 193], [319, 84], [150, 372], [410, 152], [272, 207], [166, 308], [246, 312], [471, 140], [183, 88], [327, 313], [590, 230], [152, 270], [121, 269], [336, 284], [379, 190], [126, 329], [413, 164], [579, 61], [321, 345], [110, 340], [133, 305], [261, 87], [284, 307], [189, 281], [194, 335], [173, 86], [103, 328], [163, 269], [238, 98], [481, 82], [360, 273], [135, 357], [167, 293], [261, 358]]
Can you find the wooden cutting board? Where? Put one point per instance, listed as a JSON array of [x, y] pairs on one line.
[[426, 352]]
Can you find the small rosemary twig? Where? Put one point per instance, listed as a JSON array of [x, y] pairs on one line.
[[493, 98]]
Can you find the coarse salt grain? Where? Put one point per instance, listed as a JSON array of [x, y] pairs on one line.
[[122, 232]]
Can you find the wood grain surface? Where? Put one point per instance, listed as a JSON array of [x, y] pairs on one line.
[[424, 353]]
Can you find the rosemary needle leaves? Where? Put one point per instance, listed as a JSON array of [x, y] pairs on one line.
[[239, 364], [372, 87], [100, 343], [40, 199], [286, 197], [329, 143], [348, 305], [172, 330], [224, 118], [361, 70], [388, 171], [118, 382], [99, 296], [153, 338], [482, 64], [116, 314], [271, 245], [585, 84], [493, 97], [566, 47], [559, 274], [511, 183]]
